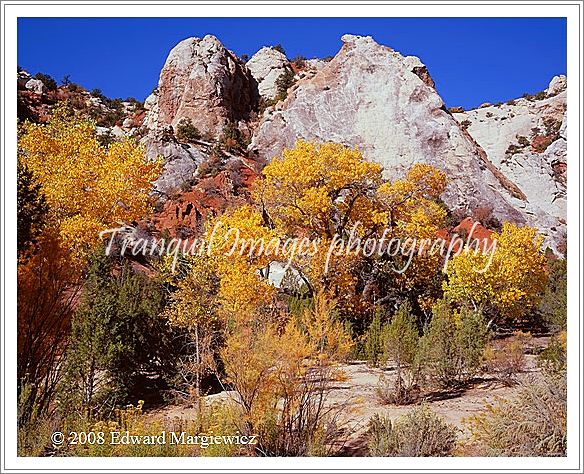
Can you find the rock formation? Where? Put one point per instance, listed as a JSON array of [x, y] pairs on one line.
[[204, 82], [180, 161], [371, 97], [526, 140], [266, 66], [508, 157]]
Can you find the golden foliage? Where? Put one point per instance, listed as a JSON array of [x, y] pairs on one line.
[[281, 376], [88, 187], [329, 192], [310, 185], [513, 282]]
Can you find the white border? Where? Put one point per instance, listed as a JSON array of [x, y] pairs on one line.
[[495, 9]]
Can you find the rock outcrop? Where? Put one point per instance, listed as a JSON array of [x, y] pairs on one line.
[[204, 82], [25, 81], [526, 140], [180, 161], [266, 66], [372, 97], [510, 158], [557, 84]]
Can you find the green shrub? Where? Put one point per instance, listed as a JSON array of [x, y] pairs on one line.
[[233, 138], [553, 357], [540, 95], [186, 131], [375, 342], [116, 337], [283, 83], [554, 302], [73, 87], [465, 124], [210, 167], [402, 341], [523, 141], [97, 93], [452, 348], [47, 80], [418, 433], [299, 61], [279, 48], [513, 149]]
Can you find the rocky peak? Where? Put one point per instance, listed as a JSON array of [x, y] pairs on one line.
[[372, 97], [202, 81], [266, 66]]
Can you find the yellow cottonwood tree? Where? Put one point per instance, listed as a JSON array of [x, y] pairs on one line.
[[514, 280], [240, 248], [321, 193], [320, 189], [87, 186], [328, 191]]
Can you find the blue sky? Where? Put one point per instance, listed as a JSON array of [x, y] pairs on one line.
[[472, 60]]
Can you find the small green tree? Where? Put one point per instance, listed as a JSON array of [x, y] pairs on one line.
[[554, 303], [233, 138], [47, 80], [117, 335], [374, 346], [402, 348], [186, 131], [283, 83], [32, 208], [279, 48], [453, 344]]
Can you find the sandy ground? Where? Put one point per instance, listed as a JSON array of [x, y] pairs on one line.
[[357, 401]]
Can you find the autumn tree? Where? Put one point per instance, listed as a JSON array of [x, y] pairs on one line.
[[70, 188], [329, 192], [319, 190], [87, 187], [508, 281], [414, 214], [48, 286], [241, 249], [281, 376], [194, 306]]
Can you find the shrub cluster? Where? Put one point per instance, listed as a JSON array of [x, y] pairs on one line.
[[418, 433]]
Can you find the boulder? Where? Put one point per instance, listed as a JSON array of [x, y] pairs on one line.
[[35, 85], [557, 84]]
